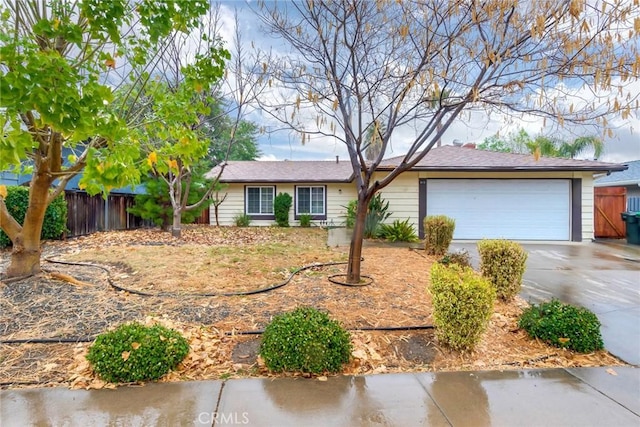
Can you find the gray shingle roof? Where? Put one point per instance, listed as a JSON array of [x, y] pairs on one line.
[[449, 157], [285, 171], [445, 158], [630, 176]]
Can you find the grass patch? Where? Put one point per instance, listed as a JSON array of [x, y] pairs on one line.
[[251, 261]]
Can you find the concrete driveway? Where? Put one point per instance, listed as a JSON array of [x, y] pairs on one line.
[[603, 277]]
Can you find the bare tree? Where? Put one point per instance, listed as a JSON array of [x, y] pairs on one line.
[[235, 92], [355, 61]]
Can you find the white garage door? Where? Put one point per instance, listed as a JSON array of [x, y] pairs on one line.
[[517, 209]]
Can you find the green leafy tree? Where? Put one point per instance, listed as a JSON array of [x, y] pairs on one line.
[[61, 64], [219, 126], [354, 60], [541, 145], [208, 131], [155, 204], [512, 143]]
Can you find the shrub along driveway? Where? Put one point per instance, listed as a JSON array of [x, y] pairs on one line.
[[605, 278]]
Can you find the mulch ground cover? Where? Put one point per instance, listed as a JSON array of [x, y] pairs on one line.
[[172, 274]]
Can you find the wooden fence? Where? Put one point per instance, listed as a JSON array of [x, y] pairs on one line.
[[609, 203], [88, 214]]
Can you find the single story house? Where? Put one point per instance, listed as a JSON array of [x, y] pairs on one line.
[[628, 179], [489, 194]]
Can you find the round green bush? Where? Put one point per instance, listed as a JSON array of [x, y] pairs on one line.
[[438, 233], [135, 352], [462, 305], [55, 217], [563, 325], [305, 340], [503, 262]]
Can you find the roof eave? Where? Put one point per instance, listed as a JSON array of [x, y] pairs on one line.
[[617, 183], [509, 169], [287, 181]]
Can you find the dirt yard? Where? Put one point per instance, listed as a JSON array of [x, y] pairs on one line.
[[187, 284]]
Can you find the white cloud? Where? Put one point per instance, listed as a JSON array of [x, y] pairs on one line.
[[473, 126]]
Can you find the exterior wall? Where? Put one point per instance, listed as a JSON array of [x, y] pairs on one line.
[[403, 197], [588, 201], [403, 193], [233, 205], [8, 178], [338, 196], [633, 190]]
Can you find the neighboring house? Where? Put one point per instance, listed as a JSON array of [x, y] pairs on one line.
[[88, 214], [489, 194], [628, 179]]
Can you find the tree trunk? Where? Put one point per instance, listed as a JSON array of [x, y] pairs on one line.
[[355, 250], [176, 228], [25, 256]]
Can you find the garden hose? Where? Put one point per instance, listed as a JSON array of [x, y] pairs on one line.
[[216, 294]]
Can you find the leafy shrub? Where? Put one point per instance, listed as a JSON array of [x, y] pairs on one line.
[[376, 215], [351, 208], [398, 231], [503, 262], [135, 352], [155, 203], [438, 233], [305, 340], [281, 205], [55, 217], [242, 220], [563, 325], [462, 258], [462, 305], [305, 220]]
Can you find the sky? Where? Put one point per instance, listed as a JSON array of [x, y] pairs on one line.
[[280, 144]]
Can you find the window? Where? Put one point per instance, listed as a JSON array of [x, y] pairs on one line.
[[311, 200], [259, 201]]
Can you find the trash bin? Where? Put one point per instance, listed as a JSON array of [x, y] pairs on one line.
[[632, 220]]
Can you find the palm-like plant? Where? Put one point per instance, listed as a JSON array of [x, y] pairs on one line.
[[580, 145], [550, 147]]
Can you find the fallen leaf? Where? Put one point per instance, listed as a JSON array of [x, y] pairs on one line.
[[125, 355], [49, 366], [135, 345], [322, 378], [359, 354], [610, 371]]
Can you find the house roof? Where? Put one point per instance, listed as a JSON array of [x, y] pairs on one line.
[[445, 158], [285, 171], [449, 157], [631, 176]]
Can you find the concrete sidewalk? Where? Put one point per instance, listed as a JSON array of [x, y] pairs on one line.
[[554, 397]]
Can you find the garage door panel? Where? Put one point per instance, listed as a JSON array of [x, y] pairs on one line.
[[513, 209]]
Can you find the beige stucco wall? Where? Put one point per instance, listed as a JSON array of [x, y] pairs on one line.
[[338, 195]]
